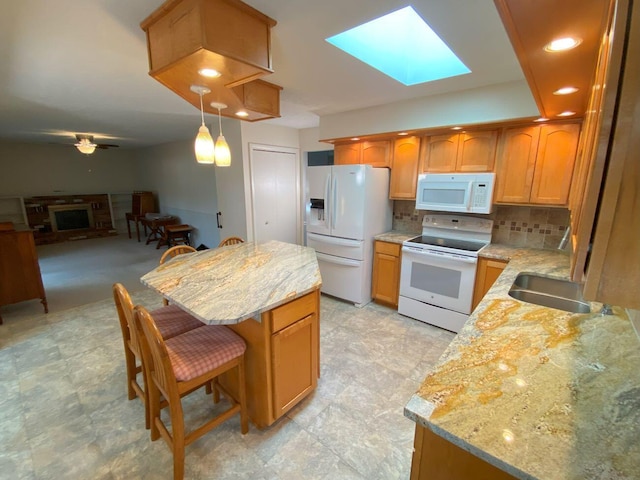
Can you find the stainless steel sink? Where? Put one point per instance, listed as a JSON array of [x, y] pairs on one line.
[[549, 292]]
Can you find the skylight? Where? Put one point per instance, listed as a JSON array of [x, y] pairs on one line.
[[402, 46]]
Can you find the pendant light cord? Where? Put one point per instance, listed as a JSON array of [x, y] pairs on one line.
[[201, 109], [219, 121]]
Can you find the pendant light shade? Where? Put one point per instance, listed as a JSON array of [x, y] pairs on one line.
[[204, 146], [221, 151], [204, 142]]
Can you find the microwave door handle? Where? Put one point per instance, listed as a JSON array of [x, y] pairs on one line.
[[470, 190]]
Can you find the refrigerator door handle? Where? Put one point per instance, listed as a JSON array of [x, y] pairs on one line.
[[327, 200], [345, 262], [342, 242], [334, 202]]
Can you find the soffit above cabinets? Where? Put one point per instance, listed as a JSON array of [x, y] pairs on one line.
[[532, 25], [229, 36]]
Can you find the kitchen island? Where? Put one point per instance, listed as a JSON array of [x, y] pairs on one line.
[[531, 392], [270, 295]]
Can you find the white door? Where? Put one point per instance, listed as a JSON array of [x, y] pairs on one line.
[[276, 199]]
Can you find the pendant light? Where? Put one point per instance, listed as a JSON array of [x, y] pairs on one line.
[[221, 151], [204, 143]]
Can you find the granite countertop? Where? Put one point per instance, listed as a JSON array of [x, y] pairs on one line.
[[231, 284], [395, 236], [537, 392]]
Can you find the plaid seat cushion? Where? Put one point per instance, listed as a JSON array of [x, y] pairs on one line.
[[173, 321], [203, 349]]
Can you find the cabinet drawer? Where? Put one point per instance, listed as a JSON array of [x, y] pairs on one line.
[[388, 248], [291, 312]]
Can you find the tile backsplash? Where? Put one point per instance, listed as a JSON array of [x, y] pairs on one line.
[[518, 226]]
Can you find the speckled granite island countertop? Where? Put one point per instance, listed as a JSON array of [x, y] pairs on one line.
[[537, 392], [231, 284]]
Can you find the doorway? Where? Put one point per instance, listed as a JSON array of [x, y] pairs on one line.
[[276, 203]]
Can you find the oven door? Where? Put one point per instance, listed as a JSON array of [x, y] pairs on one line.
[[442, 279]]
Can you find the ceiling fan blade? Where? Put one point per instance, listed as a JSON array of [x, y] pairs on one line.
[[106, 145]]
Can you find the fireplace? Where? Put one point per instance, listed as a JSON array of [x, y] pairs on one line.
[[78, 216]]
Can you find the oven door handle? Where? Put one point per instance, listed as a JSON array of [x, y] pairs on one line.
[[440, 255]]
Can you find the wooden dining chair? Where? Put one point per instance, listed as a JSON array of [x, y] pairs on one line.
[[182, 364], [230, 241], [171, 321], [172, 252]]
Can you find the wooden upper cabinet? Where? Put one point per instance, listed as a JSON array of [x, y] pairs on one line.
[[404, 168], [516, 162], [535, 164], [439, 154], [477, 151], [347, 153], [377, 154], [374, 153], [554, 164], [461, 152]]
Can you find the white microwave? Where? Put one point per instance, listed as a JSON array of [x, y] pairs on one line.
[[455, 192]]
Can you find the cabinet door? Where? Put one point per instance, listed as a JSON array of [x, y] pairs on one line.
[[477, 151], [294, 363], [347, 153], [377, 154], [404, 168], [516, 163], [440, 153], [554, 164], [488, 272], [385, 283]]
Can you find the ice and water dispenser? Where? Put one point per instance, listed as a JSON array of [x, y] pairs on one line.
[[316, 206]]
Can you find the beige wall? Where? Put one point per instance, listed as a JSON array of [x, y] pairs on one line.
[[42, 169]]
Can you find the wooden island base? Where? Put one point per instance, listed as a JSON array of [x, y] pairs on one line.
[[282, 358]]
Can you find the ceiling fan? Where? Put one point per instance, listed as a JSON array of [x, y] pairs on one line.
[[87, 146]]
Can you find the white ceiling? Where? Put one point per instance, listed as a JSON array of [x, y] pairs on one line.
[[80, 66]]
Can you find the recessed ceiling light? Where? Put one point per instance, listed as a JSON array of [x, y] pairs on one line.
[[403, 133], [456, 128], [209, 72], [242, 113], [567, 113], [355, 139], [402, 46], [561, 44], [565, 91], [541, 119]]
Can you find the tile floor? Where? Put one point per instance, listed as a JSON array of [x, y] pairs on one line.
[[64, 412]]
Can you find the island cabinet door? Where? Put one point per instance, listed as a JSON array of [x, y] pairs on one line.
[[294, 351]]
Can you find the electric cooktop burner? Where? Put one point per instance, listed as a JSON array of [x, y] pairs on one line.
[[447, 242]]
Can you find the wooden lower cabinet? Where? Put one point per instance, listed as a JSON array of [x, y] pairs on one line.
[[434, 458], [385, 282], [282, 358], [20, 277], [488, 272]]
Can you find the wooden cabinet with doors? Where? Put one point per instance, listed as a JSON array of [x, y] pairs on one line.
[[535, 164], [282, 358], [435, 458], [20, 277], [375, 153], [607, 244], [460, 152], [385, 282], [404, 168], [489, 270]]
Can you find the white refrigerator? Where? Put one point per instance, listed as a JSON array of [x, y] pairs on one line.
[[346, 206]]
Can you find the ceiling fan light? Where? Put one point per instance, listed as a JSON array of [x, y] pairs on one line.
[[222, 152], [86, 146], [204, 146]]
